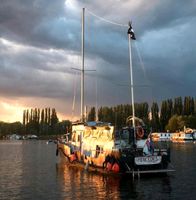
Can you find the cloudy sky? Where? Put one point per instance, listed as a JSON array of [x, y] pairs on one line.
[[40, 44]]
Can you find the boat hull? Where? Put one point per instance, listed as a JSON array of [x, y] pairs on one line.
[[134, 165]]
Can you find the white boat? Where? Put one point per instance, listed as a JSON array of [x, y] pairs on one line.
[[15, 137], [96, 146], [161, 136], [194, 134], [187, 135]]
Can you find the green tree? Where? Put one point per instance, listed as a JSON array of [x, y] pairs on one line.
[[145, 112], [42, 125], [166, 112], [24, 118], [176, 123], [119, 116], [54, 120], [190, 121], [11, 128], [188, 106], [107, 114], [155, 124], [178, 106], [27, 116], [49, 117], [46, 116], [195, 107], [163, 115], [92, 114], [100, 114]]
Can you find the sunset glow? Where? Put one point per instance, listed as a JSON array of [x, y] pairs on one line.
[[11, 112]]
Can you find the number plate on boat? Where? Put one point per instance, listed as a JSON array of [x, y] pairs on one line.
[[147, 160]]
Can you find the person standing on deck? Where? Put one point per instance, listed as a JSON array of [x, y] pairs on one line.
[[149, 146]]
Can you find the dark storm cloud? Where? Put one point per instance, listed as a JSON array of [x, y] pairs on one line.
[[29, 71], [40, 42], [149, 15], [41, 23]]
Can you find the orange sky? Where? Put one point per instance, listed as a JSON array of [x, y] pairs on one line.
[[12, 110]]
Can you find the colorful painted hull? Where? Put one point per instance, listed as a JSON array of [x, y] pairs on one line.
[[117, 164]]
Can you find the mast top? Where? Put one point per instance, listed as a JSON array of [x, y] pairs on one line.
[[131, 31]]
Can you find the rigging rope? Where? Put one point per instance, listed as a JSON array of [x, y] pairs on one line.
[[106, 20], [140, 60], [144, 71], [74, 96]]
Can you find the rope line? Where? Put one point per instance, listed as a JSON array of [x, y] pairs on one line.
[[74, 95], [106, 20]]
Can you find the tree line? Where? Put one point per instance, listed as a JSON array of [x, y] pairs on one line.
[[41, 122], [36, 121], [172, 114]]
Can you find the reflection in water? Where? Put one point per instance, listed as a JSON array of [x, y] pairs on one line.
[[28, 170], [10, 169], [87, 185], [166, 185]]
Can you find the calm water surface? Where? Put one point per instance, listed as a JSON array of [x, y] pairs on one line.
[[30, 170]]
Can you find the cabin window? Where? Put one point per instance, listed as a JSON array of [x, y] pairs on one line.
[[165, 135], [117, 134], [78, 138], [125, 135], [99, 149], [74, 136], [131, 136]]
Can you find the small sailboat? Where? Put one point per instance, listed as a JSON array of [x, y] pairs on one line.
[[95, 146]]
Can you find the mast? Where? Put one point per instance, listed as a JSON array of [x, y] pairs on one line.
[[82, 68], [131, 36], [96, 110], [131, 76]]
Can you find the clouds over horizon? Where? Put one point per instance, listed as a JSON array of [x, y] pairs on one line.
[[40, 43]]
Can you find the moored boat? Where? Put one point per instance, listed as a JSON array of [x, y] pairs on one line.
[[187, 135], [162, 136], [97, 146]]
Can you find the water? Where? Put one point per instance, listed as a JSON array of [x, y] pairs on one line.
[[30, 170]]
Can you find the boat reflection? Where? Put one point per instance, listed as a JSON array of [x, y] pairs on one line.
[[80, 184]]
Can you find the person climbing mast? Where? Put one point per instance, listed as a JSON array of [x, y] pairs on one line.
[[131, 32]]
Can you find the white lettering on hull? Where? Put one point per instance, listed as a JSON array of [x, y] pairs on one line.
[[147, 160]]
